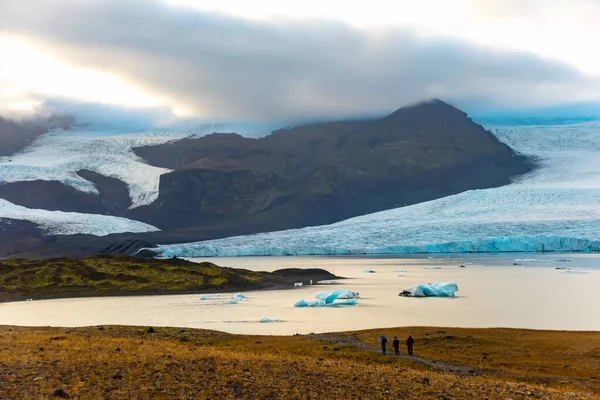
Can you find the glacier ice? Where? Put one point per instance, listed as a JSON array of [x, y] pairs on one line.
[[438, 289], [239, 297], [70, 223], [268, 319], [329, 297], [554, 208], [58, 155], [338, 297]]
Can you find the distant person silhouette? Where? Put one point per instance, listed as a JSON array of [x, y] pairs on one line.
[[409, 344], [396, 343], [383, 343]]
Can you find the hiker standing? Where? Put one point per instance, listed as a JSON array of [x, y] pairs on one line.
[[383, 342], [396, 343], [409, 344]]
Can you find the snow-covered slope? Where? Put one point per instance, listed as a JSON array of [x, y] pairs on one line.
[[59, 155], [68, 223], [557, 207]]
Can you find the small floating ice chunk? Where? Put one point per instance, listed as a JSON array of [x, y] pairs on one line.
[[400, 270], [438, 289], [230, 301], [368, 271], [324, 282], [203, 298], [432, 268], [239, 297], [575, 272], [563, 268], [267, 319], [527, 260]]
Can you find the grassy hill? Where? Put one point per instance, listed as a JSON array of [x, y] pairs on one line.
[[121, 275], [174, 363]]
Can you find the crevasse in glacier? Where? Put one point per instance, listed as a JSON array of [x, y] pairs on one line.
[[554, 208]]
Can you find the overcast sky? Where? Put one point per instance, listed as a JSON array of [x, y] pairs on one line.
[[286, 60]]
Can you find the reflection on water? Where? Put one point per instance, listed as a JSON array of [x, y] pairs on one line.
[[493, 293]]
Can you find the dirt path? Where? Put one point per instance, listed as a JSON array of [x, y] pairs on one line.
[[436, 365]]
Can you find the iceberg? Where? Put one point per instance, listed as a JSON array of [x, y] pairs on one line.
[[555, 208], [267, 320], [337, 294], [438, 289], [338, 297], [239, 297]]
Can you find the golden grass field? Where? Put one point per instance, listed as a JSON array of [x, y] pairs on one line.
[[116, 362]]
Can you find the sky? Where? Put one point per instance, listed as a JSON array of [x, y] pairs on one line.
[[282, 60]]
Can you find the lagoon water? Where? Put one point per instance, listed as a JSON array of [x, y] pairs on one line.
[[493, 293]]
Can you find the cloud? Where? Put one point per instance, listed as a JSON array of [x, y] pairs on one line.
[[226, 67]]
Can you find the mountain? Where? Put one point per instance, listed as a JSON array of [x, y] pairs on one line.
[[224, 184], [322, 173]]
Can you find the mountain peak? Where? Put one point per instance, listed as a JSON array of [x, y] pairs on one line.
[[433, 108]]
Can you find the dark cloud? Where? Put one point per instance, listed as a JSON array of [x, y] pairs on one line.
[[224, 67]]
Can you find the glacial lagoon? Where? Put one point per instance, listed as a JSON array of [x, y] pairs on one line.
[[493, 292]]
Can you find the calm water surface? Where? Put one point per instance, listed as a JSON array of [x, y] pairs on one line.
[[493, 293]]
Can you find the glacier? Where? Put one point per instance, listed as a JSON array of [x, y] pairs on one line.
[[438, 289], [554, 208], [58, 155], [70, 223]]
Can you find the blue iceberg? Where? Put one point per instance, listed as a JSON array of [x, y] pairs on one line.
[[268, 320], [338, 297], [438, 289]]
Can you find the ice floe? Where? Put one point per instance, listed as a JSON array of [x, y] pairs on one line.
[[268, 320], [437, 289], [338, 297]]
